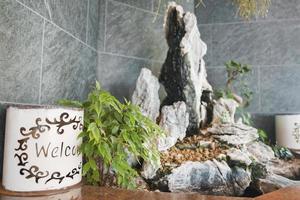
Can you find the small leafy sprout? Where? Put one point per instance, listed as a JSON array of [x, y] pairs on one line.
[[282, 152], [263, 136], [112, 131]]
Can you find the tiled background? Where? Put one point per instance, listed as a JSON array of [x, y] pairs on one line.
[[52, 49], [271, 45]]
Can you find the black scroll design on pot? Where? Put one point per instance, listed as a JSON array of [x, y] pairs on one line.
[[34, 172], [64, 121], [56, 176], [22, 158], [72, 173], [22, 144], [35, 130]]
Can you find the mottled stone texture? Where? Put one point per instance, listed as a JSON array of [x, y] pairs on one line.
[[20, 53], [45, 52], [118, 74], [188, 5], [68, 67], [147, 5], [70, 15], [209, 177], [133, 32], [271, 45]]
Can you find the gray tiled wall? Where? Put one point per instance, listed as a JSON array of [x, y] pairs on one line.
[[53, 49], [271, 45], [47, 52]]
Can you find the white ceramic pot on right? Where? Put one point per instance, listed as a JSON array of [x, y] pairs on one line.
[[288, 131]]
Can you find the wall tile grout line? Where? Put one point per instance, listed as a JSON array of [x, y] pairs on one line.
[[105, 21], [250, 22], [259, 88], [42, 62], [255, 65], [87, 21], [92, 48], [211, 43], [140, 9], [152, 6], [47, 20], [132, 57]]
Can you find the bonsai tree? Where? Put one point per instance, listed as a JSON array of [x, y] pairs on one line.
[[236, 73], [112, 131]]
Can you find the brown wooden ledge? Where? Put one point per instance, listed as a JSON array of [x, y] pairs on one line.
[[101, 193]]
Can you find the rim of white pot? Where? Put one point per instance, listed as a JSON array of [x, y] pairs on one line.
[[41, 106]]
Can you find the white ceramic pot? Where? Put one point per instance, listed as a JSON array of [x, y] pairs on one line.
[[288, 131], [41, 148]]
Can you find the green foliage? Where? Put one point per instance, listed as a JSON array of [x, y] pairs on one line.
[[236, 73], [246, 117], [263, 136], [111, 131], [282, 152]]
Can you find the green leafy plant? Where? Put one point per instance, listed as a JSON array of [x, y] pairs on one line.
[[282, 152], [263, 136], [112, 131]]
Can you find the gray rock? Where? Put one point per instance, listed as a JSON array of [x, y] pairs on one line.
[[274, 182], [174, 121], [224, 111], [146, 94], [234, 134], [288, 169], [260, 152], [183, 74], [149, 169], [238, 156], [209, 177]]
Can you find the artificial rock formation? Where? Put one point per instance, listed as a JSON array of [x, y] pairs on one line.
[[188, 161], [183, 74], [287, 168], [174, 121], [146, 94], [209, 177], [149, 169], [224, 111], [238, 157], [234, 134], [260, 152], [274, 182]]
